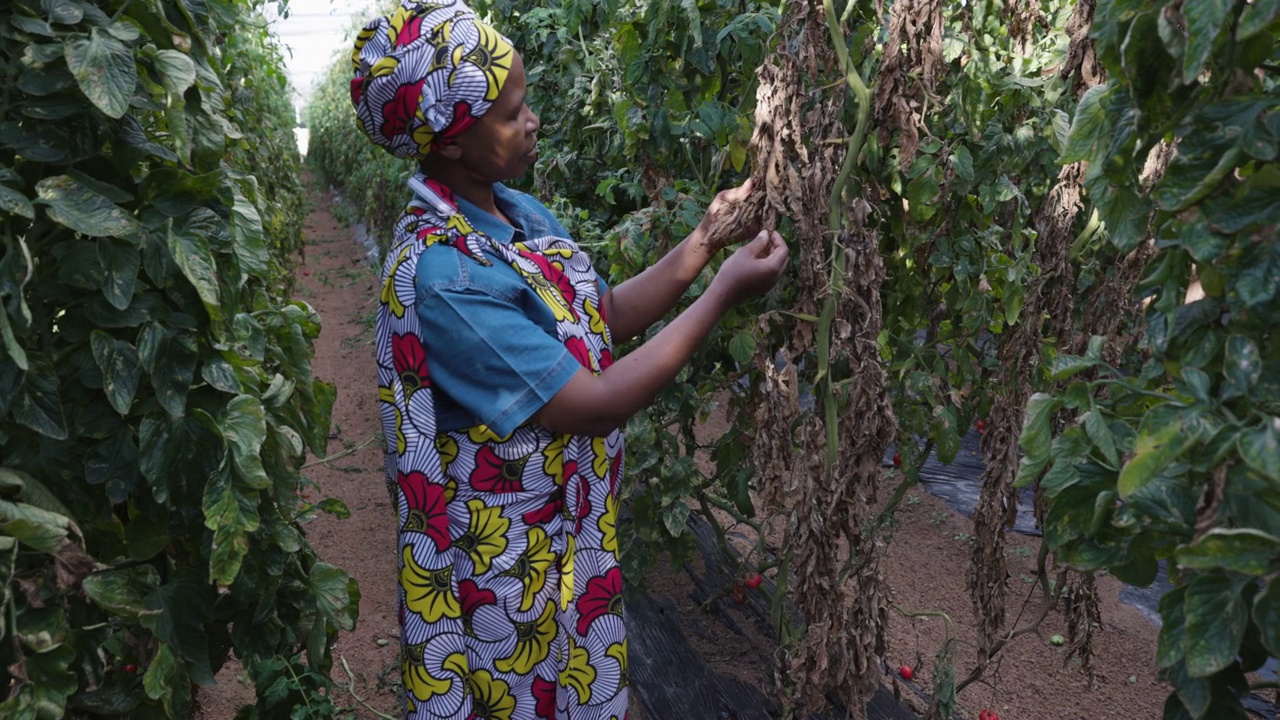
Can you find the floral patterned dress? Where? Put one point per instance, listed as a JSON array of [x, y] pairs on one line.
[[510, 588]]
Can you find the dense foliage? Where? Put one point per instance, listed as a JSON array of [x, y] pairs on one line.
[[1176, 458], [156, 394], [984, 252]]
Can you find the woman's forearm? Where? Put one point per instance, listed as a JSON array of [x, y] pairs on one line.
[[595, 405], [639, 302]]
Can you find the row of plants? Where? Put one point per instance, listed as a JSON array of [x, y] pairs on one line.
[[1002, 222], [156, 393]]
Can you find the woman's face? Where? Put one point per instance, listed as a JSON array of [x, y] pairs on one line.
[[502, 144]]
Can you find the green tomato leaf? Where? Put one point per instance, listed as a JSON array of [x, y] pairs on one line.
[[36, 528], [1260, 447], [76, 206], [1036, 439], [1088, 126], [105, 70], [742, 348], [177, 71], [180, 610], [1255, 18], [122, 592], [120, 262], [1243, 363], [1171, 646], [333, 592], [245, 429], [1216, 621], [1095, 426], [193, 256], [1163, 436], [118, 361], [1205, 21], [1266, 613], [15, 203], [1244, 550], [38, 406], [166, 680]]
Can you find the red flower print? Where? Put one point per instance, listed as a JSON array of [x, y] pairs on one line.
[[443, 191], [357, 90], [410, 361], [471, 597], [493, 474], [582, 504], [400, 110], [411, 31], [545, 513], [544, 696], [606, 359], [462, 120], [615, 474], [578, 347], [554, 275], [426, 501], [603, 596]]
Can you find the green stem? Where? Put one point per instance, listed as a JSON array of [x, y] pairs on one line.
[[834, 225]]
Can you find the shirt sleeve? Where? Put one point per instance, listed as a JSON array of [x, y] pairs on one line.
[[490, 356]]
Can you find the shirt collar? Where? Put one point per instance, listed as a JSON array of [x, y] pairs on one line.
[[490, 225]]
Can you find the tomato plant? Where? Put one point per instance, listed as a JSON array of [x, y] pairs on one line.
[[156, 395]]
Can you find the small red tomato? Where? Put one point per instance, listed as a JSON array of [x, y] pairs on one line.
[[897, 460], [306, 273], [738, 594], [130, 668], [906, 672], [753, 580], [982, 425]]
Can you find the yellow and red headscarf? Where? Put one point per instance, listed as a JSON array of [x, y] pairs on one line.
[[425, 73]]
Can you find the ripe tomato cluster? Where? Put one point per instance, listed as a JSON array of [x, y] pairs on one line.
[[988, 715]]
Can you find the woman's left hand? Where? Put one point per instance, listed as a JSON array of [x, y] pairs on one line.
[[727, 205]]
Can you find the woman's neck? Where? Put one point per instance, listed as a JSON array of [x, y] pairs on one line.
[[463, 183]]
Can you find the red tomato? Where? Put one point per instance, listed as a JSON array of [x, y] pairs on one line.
[[897, 460], [906, 672], [982, 425], [130, 668], [738, 594], [753, 580]]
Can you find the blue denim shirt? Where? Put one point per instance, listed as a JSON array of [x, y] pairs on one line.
[[491, 342]]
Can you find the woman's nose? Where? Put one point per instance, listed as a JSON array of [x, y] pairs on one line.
[[534, 123]]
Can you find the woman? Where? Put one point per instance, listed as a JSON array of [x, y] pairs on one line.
[[500, 397]]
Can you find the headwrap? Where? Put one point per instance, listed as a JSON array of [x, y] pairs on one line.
[[425, 73]]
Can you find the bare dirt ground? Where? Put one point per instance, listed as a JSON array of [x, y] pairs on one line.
[[925, 563]]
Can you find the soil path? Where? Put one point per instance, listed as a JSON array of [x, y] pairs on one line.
[[924, 565]]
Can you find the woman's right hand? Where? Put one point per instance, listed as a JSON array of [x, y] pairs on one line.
[[753, 269]]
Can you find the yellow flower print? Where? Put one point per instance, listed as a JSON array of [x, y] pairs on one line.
[[532, 566], [608, 524], [533, 643], [388, 396], [566, 574], [418, 681], [424, 136], [601, 464], [553, 464], [385, 66], [560, 309], [492, 55], [389, 297], [399, 19], [482, 434], [448, 449], [578, 674], [563, 252], [490, 697], [486, 536], [362, 39], [618, 651], [428, 593], [593, 312], [458, 222]]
